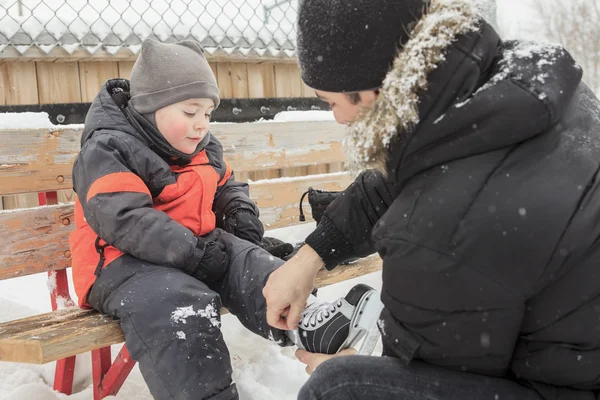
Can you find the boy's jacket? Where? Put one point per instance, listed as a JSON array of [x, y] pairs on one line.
[[137, 196]]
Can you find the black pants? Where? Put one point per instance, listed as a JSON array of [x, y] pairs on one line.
[[171, 320], [383, 378]]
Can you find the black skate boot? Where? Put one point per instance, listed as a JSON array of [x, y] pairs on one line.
[[329, 327]]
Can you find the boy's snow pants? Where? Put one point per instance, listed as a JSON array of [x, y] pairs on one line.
[[171, 320]]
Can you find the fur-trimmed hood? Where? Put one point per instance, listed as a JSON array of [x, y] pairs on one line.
[[456, 82]]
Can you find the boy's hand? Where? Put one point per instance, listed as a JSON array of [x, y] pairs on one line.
[[288, 288], [215, 260], [313, 360], [245, 225], [277, 247]]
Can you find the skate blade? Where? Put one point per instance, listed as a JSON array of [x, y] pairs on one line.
[[364, 323]]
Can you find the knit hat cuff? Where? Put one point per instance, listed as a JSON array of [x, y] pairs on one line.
[[320, 82], [150, 102]]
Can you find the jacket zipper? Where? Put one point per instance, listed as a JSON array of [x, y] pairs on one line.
[[100, 250]]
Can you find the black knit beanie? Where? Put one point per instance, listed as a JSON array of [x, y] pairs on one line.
[[349, 45]]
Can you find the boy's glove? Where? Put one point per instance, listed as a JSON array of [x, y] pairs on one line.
[[277, 247], [215, 260], [245, 225]]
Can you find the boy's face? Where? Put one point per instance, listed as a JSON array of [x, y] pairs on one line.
[[186, 123]]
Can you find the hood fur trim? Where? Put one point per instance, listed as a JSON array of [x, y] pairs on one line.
[[396, 109]]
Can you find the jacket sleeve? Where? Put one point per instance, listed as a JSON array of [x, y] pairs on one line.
[[345, 229], [117, 205], [444, 309], [235, 212]]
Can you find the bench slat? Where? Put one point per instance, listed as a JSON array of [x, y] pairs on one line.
[[278, 199], [53, 336], [34, 160], [37, 239]]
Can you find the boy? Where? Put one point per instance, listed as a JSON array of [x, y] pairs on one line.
[[165, 237]]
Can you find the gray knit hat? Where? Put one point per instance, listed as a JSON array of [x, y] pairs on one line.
[[167, 73]]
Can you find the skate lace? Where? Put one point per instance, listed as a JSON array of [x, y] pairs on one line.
[[318, 312]]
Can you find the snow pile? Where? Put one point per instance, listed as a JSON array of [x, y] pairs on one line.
[[25, 120], [41, 120], [31, 120], [295, 116]]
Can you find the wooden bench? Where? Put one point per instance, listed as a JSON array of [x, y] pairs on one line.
[[35, 240]]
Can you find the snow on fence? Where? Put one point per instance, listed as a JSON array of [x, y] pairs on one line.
[[264, 27]]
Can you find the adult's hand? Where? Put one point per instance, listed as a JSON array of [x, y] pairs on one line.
[[288, 288], [313, 360]]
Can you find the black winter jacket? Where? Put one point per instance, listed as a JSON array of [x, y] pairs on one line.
[[488, 219]]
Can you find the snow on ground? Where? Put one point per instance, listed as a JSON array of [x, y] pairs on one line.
[[261, 369]]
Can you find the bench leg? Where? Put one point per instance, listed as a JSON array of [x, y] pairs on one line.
[[107, 378], [59, 297], [63, 376]]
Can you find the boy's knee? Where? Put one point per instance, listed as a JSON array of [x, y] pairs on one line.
[[179, 307]]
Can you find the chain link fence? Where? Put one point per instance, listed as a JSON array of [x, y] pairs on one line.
[[230, 25]]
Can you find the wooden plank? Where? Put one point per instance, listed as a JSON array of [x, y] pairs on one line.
[[264, 174], [51, 336], [306, 90], [37, 239], [5, 85], [66, 196], [39, 160], [25, 200], [93, 75], [213, 67], [233, 80], [344, 272], [58, 82], [278, 199], [318, 169], [261, 80], [125, 68], [18, 83], [287, 80], [270, 145], [224, 80], [337, 166]]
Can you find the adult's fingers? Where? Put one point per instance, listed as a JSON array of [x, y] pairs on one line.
[[294, 314], [275, 319]]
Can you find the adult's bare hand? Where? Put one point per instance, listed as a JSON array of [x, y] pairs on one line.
[[288, 288]]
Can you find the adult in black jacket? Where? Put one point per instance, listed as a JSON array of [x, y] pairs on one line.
[[480, 195]]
